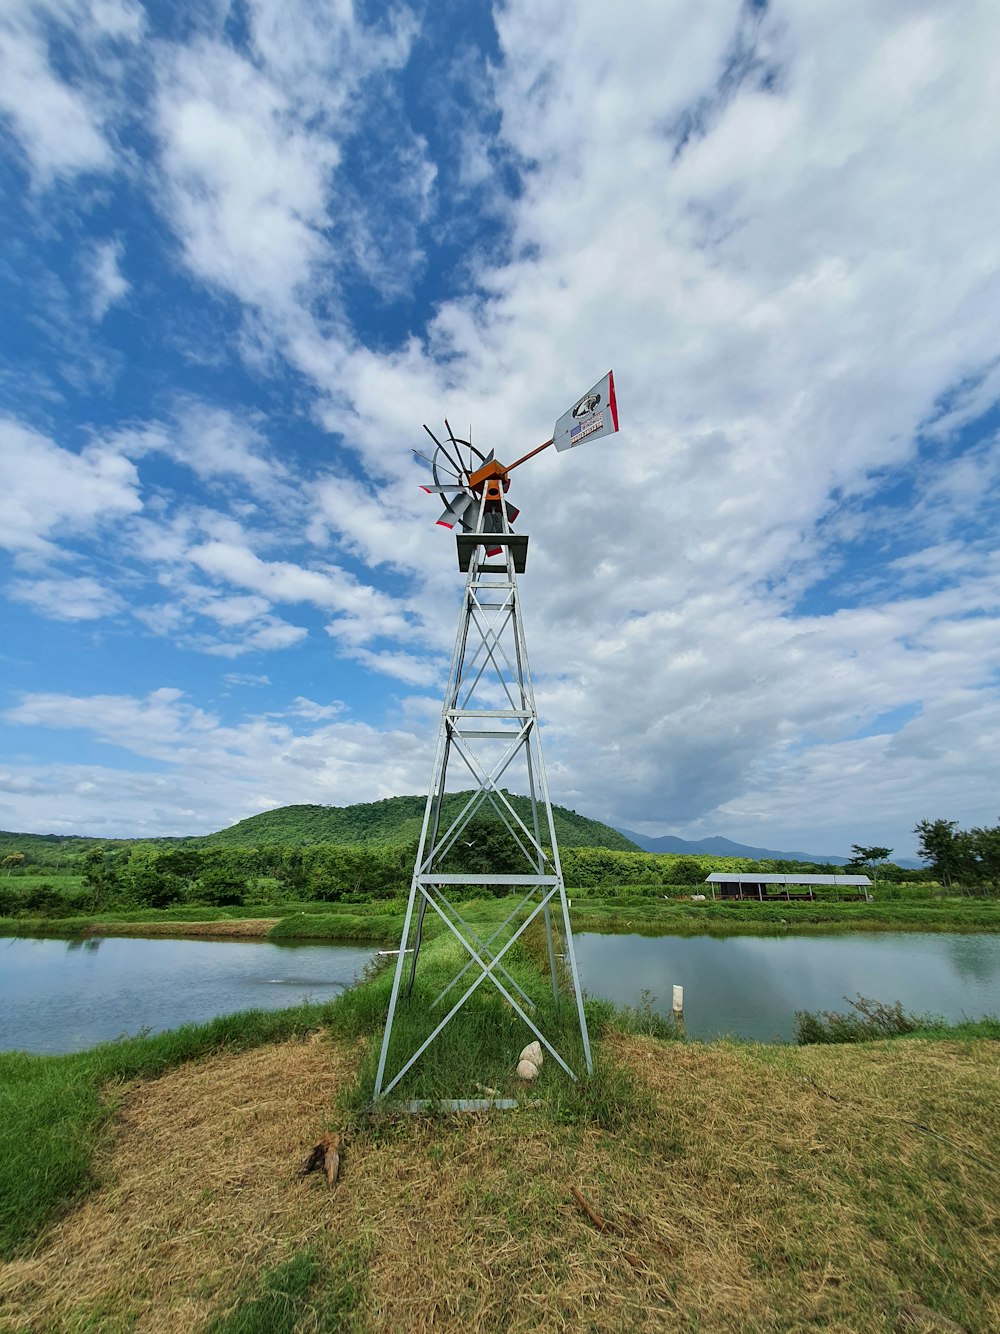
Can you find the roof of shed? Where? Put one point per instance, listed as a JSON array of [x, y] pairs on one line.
[[755, 878]]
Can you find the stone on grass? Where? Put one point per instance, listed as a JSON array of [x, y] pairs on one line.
[[533, 1053], [527, 1070]]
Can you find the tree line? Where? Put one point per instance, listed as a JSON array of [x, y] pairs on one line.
[[968, 857], [149, 875]]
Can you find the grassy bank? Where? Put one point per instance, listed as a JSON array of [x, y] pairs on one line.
[[382, 919], [713, 1188], [660, 917], [53, 1109]]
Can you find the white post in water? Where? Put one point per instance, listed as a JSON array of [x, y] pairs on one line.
[[678, 999]]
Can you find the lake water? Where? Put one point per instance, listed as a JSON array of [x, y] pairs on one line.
[[63, 996], [751, 986]]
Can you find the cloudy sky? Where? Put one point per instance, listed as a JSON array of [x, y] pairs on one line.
[[250, 247]]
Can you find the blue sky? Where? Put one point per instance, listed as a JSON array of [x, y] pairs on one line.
[[250, 248]]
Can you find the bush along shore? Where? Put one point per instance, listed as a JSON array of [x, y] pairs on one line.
[[849, 1183]]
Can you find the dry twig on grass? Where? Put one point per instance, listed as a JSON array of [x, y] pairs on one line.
[[604, 1226]]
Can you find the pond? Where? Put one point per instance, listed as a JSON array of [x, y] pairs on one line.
[[751, 986], [62, 996]]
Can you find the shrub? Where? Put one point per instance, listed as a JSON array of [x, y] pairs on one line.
[[871, 1020]]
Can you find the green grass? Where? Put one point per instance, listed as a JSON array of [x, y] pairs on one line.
[[382, 919], [349, 925], [305, 1292], [659, 917], [64, 881], [53, 1109]]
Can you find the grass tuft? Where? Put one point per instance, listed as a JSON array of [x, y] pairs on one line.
[[307, 1293]]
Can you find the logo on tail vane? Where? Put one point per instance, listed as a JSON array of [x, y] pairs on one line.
[[596, 413]]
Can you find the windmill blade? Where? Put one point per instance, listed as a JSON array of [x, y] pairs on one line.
[[466, 507], [456, 513], [512, 511], [454, 455], [447, 490], [430, 463]]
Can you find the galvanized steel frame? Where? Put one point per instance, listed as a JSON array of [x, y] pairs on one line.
[[490, 625]]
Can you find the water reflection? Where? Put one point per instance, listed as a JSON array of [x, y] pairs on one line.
[[61, 996], [973, 956], [751, 986]]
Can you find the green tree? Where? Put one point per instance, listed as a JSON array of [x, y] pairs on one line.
[[146, 883], [943, 845], [485, 846], [686, 871], [184, 863], [100, 873], [223, 879], [984, 851], [868, 858]]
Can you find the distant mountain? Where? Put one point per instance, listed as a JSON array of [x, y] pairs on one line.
[[395, 820], [725, 847]]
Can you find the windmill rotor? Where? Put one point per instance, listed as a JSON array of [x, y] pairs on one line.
[[456, 465]]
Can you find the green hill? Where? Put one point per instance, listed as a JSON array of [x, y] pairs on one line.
[[394, 821]]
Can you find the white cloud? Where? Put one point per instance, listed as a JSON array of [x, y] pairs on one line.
[[108, 285], [214, 774], [48, 491], [67, 599], [268, 634], [364, 611], [403, 666], [246, 187], [215, 443], [61, 125], [57, 126], [313, 712]]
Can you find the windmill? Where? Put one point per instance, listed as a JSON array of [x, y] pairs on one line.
[[489, 730]]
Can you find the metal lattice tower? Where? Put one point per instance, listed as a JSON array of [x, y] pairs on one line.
[[489, 730]]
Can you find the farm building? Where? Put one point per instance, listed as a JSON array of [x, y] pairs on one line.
[[753, 885]]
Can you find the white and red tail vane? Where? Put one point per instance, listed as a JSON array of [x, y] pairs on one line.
[[595, 414]]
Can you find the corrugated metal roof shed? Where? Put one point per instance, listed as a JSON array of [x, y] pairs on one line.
[[754, 878]]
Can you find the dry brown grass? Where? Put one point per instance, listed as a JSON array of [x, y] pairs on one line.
[[248, 926], [200, 1193], [744, 1198]]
